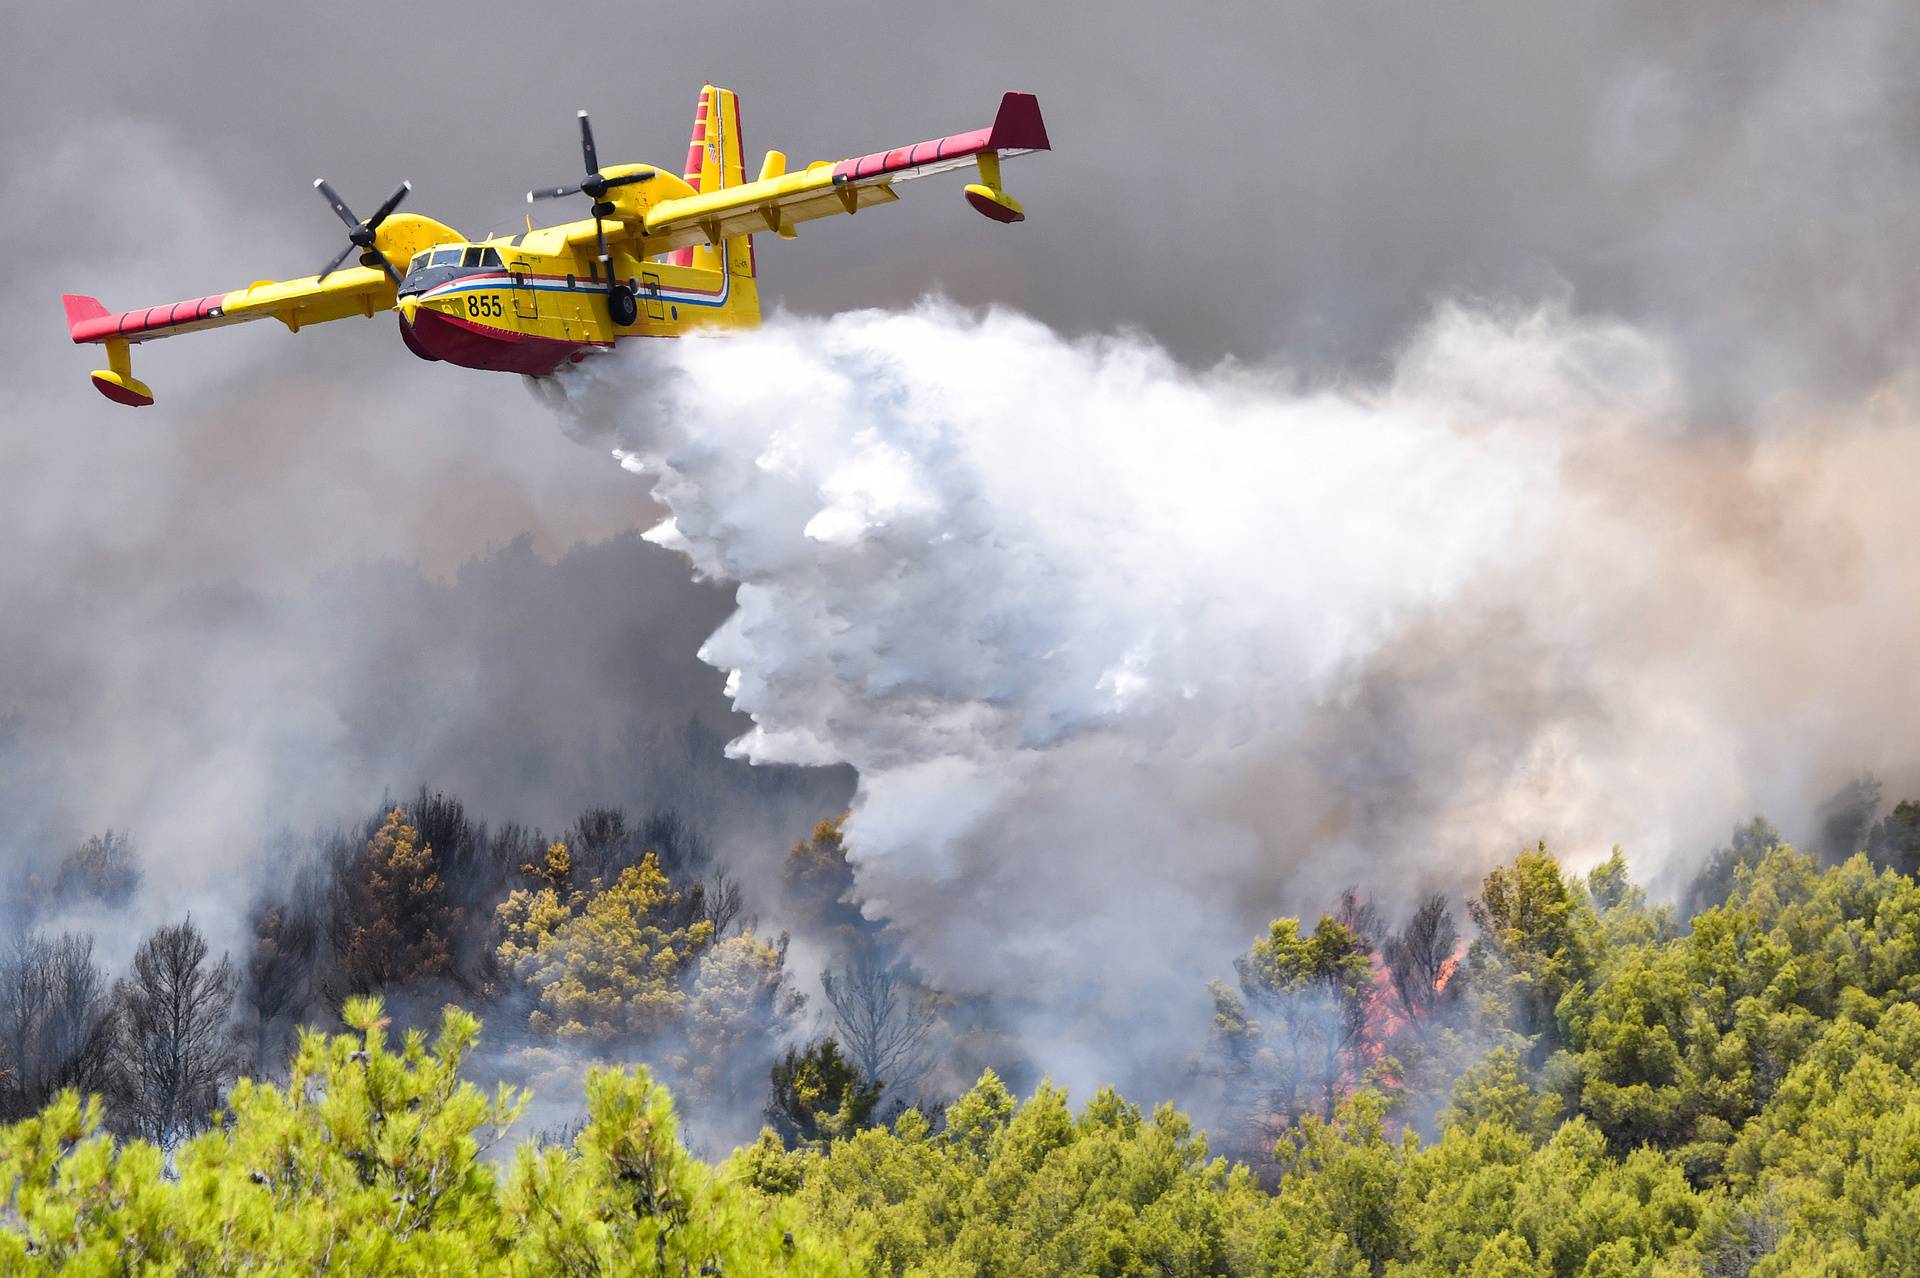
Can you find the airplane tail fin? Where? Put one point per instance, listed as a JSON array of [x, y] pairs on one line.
[[80, 309], [715, 160]]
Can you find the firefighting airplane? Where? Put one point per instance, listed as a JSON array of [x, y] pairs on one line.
[[660, 255]]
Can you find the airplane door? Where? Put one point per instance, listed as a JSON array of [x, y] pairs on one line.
[[526, 302], [650, 293]]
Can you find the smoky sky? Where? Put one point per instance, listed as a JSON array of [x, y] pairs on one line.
[[1293, 183], [1247, 178]]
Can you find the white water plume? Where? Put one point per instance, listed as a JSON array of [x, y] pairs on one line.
[[1131, 658]]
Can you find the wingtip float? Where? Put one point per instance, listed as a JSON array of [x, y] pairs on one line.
[[660, 255]]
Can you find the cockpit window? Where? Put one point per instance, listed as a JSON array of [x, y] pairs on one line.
[[445, 257], [470, 258], [419, 260], [490, 257]]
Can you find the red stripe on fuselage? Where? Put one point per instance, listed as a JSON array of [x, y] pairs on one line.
[[581, 284]]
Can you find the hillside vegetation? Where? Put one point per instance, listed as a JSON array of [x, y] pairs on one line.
[[1607, 1091]]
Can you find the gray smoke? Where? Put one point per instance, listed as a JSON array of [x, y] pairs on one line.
[[191, 646], [1129, 659], [316, 572]]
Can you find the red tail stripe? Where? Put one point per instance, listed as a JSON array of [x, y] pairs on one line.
[[696, 149]]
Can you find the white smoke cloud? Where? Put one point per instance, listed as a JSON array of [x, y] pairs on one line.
[[1130, 658]]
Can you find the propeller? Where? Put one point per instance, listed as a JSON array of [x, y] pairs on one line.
[[360, 235], [595, 185]]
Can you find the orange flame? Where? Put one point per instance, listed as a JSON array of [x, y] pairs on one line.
[[1386, 1020]]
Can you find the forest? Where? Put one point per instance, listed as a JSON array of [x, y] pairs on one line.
[[1556, 1076]]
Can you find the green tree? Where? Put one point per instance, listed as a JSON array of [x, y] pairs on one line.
[[606, 963], [740, 1009], [818, 1095], [367, 1161], [1535, 948], [628, 1198], [1342, 1178], [1620, 906], [818, 881], [1894, 842], [373, 1160], [1029, 1189], [1484, 1198], [1498, 1090], [1716, 880], [1292, 1038]]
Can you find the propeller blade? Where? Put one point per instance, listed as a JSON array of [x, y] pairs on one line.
[[552, 192], [334, 265], [387, 266], [586, 146], [627, 179], [360, 235], [338, 205], [393, 202]]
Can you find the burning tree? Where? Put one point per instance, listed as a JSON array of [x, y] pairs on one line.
[[1294, 1035], [1317, 1016], [1421, 961]]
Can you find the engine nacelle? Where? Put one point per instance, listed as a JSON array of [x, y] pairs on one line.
[[632, 201], [404, 234]]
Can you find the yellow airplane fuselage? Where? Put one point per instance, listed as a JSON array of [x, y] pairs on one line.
[[534, 302]]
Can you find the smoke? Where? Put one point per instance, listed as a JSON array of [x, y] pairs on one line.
[[316, 571], [1736, 178], [1130, 658]]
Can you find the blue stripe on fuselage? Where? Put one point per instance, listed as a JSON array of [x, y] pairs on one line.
[[499, 279]]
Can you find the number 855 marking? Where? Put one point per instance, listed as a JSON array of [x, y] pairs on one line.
[[479, 306]]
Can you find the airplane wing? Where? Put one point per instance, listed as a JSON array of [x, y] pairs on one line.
[[358, 290], [778, 201]]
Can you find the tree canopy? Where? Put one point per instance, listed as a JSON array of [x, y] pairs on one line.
[[372, 1159], [1574, 1084]]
